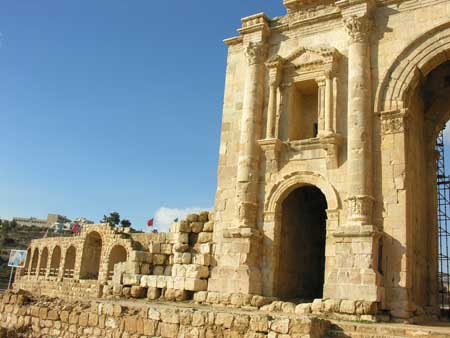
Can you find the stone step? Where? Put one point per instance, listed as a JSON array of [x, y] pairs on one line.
[[379, 330]]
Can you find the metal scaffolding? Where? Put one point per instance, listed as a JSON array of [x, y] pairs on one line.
[[443, 190]]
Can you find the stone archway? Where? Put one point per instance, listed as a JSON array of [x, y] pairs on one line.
[[43, 263], [90, 260], [34, 262], [69, 262], [300, 265], [55, 262], [118, 254], [295, 184], [412, 102]]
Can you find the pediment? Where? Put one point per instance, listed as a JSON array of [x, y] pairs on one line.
[[313, 56]]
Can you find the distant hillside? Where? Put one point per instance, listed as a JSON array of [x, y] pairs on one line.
[[15, 238]]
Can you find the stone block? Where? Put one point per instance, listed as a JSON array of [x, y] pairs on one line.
[[200, 297], [131, 279], [182, 226], [159, 259], [126, 291], [178, 283], [154, 248], [192, 284], [197, 271], [208, 226], [348, 306], [140, 256], [138, 292], [161, 282], [203, 216], [158, 270], [153, 293], [317, 305], [201, 259], [205, 237], [192, 218], [204, 248], [166, 249], [280, 325], [224, 319], [303, 309], [168, 330], [179, 247], [186, 258], [196, 227]]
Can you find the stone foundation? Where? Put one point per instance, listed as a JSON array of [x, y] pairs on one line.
[[46, 317]]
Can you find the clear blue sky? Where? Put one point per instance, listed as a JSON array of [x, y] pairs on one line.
[[113, 105]]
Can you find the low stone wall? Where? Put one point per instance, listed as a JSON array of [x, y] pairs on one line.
[[45, 317], [67, 287]]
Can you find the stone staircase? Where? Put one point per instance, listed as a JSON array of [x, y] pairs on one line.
[[381, 330]]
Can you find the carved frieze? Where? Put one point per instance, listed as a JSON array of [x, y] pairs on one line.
[[393, 122]]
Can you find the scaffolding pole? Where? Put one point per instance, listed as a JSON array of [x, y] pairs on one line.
[[443, 212]]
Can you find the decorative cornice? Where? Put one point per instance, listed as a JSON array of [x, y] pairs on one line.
[[358, 28], [255, 23]]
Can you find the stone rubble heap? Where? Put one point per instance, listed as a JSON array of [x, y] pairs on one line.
[[176, 265]]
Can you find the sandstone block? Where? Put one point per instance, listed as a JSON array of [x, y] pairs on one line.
[[154, 248], [178, 283], [317, 305], [192, 218], [153, 293], [208, 226], [159, 259], [303, 309], [201, 259], [166, 249], [197, 271], [196, 227], [203, 216], [138, 292], [224, 319], [182, 226], [200, 297], [161, 282], [280, 325], [131, 279], [140, 256], [348, 306], [192, 284], [179, 247], [205, 237], [168, 330], [204, 248], [158, 270], [186, 258]]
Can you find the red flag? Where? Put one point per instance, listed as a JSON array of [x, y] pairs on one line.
[[75, 228], [150, 223]]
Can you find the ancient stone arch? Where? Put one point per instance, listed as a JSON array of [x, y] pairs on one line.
[[69, 262], [91, 256], [55, 263], [117, 254], [290, 182], [43, 262]]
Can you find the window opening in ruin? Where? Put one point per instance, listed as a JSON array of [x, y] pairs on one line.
[[69, 262], [43, 263], [301, 261], [55, 262], [90, 262], [303, 121], [443, 189], [118, 255]]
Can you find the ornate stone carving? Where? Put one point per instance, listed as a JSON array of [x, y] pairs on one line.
[[360, 208], [358, 28], [393, 122], [275, 65], [255, 52]]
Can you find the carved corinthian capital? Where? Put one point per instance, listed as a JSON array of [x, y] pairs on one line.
[[358, 28], [360, 208], [255, 52]]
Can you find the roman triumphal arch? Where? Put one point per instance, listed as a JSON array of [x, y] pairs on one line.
[[327, 184]]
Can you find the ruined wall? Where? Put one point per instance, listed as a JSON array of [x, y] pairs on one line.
[[52, 318]]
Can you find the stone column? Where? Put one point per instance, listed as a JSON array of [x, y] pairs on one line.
[[247, 178], [328, 104], [359, 117], [274, 67], [321, 106]]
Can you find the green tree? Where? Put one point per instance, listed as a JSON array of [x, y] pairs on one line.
[[113, 218], [125, 223]]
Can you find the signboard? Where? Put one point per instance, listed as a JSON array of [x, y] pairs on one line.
[[17, 258]]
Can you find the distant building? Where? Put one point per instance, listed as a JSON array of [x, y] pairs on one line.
[[43, 223]]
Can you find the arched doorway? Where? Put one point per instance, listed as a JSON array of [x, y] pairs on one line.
[[69, 262], [43, 263], [301, 252], [118, 254], [34, 262], [90, 261], [55, 262], [27, 262]]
